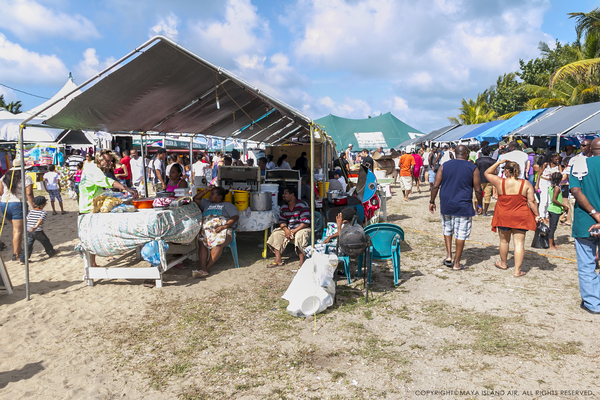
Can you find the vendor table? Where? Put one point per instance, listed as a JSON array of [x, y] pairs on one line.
[[256, 221], [112, 234]]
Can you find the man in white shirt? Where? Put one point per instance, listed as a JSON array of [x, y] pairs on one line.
[[337, 174], [137, 170], [514, 155], [448, 155], [199, 168], [52, 182]]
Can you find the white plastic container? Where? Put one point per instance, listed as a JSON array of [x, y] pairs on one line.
[[274, 189], [316, 303]]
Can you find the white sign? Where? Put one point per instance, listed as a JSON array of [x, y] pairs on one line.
[[414, 135], [370, 140]]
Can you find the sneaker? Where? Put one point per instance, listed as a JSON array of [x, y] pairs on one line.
[[14, 257]]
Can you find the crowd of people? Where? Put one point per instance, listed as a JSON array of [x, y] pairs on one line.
[[531, 186]]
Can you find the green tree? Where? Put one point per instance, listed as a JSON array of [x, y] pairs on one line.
[[507, 96], [474, 111]]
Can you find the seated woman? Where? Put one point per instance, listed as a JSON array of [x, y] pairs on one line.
[[176, 180], [218, 221]]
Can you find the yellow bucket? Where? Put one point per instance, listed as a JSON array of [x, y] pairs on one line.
[[240, 199], [321, 192], [228, 197]]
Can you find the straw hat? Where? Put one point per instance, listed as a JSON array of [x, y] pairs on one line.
[[17, 165]]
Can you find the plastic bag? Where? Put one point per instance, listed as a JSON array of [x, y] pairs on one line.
[[151, 252], [122, 208], [540, 238], [312, 290]]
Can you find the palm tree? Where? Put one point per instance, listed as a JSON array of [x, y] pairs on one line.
[[586, 68], [566, 92], [474, 111], [13, 107]]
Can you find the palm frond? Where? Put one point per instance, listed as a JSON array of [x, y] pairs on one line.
[[575, 70]]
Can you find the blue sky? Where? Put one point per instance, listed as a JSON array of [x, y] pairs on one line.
[[350, 58]]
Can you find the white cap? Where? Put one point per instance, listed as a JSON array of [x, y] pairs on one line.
[[350, 145]]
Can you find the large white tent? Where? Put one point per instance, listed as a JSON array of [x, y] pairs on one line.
[[38, 132]]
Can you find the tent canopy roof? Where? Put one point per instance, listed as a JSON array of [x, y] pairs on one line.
[[385, 131], [562, 120], [497, 132], [430, 136], [457, 133], [168, 89]]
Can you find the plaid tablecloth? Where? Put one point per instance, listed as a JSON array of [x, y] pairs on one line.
[[112, 234]]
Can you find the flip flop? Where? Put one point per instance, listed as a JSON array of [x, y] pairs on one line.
[[199, 274], [63, 213], [447, 263], [274, 264], [462, 267], [497, 265], [520, 274]]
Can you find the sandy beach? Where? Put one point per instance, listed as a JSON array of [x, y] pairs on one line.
[[480, 330]]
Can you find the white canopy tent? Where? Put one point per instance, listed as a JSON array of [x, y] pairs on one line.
[[38, 131]]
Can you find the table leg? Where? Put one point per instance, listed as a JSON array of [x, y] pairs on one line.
[[264, 253], [87, 265]]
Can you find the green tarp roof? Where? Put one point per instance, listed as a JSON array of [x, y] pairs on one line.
[[384, 131]]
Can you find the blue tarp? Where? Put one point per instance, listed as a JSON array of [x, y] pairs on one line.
[[496, 133], [482, 128]]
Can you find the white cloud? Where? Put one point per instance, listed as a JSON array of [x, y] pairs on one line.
[[166, 27], [434, 52], [91, 64], [399, 104], [19, 65], [241, 32], [348, 108], [30, 20]]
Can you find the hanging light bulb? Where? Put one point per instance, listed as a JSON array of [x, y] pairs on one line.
[[217, 94], [251, 127]]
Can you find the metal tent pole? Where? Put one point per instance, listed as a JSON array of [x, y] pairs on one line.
[[24, 205], [191, 157], [143, 153]]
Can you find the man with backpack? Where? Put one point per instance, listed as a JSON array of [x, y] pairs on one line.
[[435, 157]]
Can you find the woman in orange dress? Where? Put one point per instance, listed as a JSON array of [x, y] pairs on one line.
[[516, 211]]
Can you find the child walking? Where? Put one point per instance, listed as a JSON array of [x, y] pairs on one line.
[[35, 231], [52, 182], [555, 207]]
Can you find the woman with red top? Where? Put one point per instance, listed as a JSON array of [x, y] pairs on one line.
[[516, 211]]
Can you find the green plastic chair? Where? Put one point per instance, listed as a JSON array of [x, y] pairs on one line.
[[385, 244]]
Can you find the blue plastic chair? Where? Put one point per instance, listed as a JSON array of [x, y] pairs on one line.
[[233, 247], [385, 244]]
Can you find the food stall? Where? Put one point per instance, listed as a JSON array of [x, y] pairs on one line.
[[190, 97], [114, 233]]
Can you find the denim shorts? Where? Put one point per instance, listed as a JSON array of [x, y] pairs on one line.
[[13, 210]]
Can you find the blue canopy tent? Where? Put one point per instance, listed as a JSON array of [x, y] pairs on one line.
[[457, 133], [496, 133]]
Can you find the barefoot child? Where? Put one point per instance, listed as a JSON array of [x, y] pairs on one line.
[[52, 182], [556, 206], [35, 231]]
